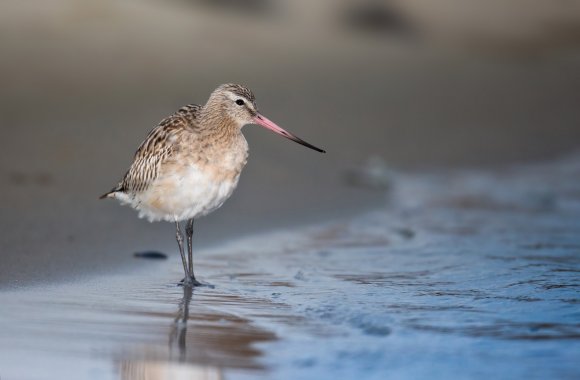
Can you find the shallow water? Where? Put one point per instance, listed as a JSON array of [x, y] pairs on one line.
[[463, 275]]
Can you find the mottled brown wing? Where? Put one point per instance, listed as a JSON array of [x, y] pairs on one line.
[[157, 148]]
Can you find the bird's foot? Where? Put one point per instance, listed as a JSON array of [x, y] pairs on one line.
[[192, 282]]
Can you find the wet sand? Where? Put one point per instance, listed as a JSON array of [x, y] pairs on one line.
[[457, 274]]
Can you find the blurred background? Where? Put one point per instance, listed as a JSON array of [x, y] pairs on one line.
[[399, 84]]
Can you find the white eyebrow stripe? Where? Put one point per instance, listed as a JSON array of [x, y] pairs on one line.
[[233, 96]]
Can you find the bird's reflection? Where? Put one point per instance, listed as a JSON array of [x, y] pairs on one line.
[[176, 365], [177, 335]]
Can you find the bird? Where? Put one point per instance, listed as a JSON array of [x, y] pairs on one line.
[[190, 163]]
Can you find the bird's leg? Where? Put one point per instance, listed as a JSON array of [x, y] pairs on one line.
[[179, 237], [189, 233]]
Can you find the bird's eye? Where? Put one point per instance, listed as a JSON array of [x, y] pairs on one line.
[[240, 102]]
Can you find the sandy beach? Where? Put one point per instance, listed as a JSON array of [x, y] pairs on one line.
[[437, 238]]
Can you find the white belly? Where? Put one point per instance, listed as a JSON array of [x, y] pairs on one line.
[[182, 195]]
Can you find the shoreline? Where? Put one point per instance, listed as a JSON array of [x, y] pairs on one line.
[[475, 267]]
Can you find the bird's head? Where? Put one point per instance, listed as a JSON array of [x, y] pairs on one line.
[[237, 103]]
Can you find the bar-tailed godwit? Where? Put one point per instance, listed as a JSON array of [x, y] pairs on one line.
[[191, 162]]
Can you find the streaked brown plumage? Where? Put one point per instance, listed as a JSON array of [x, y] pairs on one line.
[[190, 163]]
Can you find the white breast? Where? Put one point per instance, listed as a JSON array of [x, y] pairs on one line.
[[182, 194]]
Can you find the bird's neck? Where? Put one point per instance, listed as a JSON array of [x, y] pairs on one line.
[[216, 123]]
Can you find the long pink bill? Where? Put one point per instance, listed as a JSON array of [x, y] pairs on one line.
[[269, 124]]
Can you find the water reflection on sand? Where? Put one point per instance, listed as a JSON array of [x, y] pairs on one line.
[[149, 331], [177, 366]]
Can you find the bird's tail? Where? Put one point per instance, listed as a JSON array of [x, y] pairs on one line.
[[111, 194], [107, 195]]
